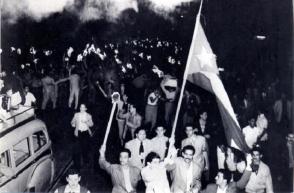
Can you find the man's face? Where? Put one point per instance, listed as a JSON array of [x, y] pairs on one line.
[[141, 135], [189, 131], [219, 178], [188, 155], [252, 122], [83, 108], [256, 156], [125, 98], [204, 115], [26, 89], [123, 158], [73, 180], [160, 131], [132, 109]]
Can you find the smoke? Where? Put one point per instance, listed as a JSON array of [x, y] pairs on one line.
[[166, 8], [107, 9], [12, 10], [167, 5]]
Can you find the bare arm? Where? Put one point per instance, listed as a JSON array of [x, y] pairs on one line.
[[62, 80]]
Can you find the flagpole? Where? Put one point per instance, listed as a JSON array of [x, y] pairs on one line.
[[186, 73], [115, 98]]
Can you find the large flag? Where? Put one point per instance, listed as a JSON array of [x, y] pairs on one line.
[[203, 71]]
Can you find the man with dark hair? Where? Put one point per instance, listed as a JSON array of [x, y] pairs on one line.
[[223, 183], [73, 178], [200, 146], [139, 147], [185, 173], [124, 176], [82, 121], [133, 120], [159, 142], [260, 179]]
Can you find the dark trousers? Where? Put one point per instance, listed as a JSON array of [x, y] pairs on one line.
[[81, 149]]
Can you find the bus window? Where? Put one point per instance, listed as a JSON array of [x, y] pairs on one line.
[[21, 151], [39, 140], [5, 166]]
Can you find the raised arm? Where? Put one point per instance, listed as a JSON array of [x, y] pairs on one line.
[[104, 164], [242, 182], [62, 80]]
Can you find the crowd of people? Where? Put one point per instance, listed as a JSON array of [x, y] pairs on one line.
[[147, 73]]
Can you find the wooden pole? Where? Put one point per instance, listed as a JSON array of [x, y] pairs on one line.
[[185, 77], [1, 37], [109, 124], [115, 98], [292, 63]]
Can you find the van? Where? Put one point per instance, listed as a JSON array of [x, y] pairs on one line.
[[26, 159]]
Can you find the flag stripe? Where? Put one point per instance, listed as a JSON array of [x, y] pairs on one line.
[[211, 82]]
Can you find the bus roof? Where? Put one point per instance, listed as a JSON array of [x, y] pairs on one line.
[[16, 117]]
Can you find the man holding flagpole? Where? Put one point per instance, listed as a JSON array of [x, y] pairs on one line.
[[125, 177]]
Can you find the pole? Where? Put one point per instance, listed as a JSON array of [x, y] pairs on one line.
[[292, 63], [109, 124], [115, 98], [185, 78], [186, 72], [1, 37]]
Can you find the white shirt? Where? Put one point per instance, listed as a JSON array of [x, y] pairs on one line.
[[126, 173], [189, 177], [30, 98], [153, 103], [82, 121], [251, 135], [159, 145], [260, 182], [219, 190], [72, 190], [155, 179]]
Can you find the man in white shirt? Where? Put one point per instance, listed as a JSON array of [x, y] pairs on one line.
[[139, 147], [251, 133], [159, 142], [30, 99], [73, 179], [200, 145], [185, 173], [82, 121], [260, 180]]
